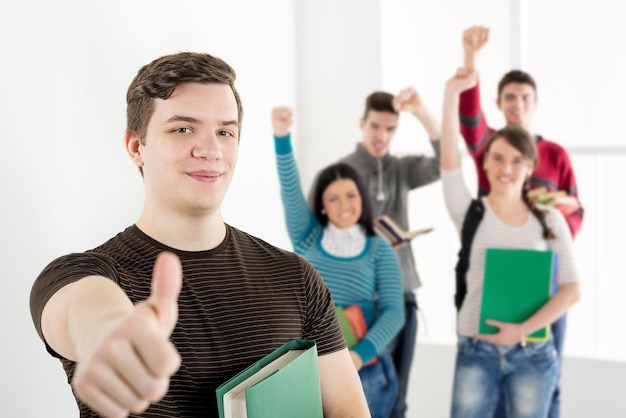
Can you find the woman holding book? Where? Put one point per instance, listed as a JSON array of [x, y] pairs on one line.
[[360, 268], [487, 364]]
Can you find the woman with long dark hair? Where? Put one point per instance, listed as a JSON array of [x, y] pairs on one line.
[[360, 268], [488, 364]]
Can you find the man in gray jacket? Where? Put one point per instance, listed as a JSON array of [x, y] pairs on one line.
[[389, 180]]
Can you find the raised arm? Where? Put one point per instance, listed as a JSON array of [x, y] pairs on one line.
[[300, 221], [123, 352], [474, 38], [450, 128], [473, 124], [409, 100]]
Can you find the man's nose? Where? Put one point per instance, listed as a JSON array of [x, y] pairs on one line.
[[208, 146]]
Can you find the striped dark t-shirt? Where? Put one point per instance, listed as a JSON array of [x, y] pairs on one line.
[[238, 302]]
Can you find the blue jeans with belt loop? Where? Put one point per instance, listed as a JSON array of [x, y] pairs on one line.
[[525, 375], [380, 385]]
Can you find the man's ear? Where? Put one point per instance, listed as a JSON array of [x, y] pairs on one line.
[[498, 103], [361, 123], [133, 147]]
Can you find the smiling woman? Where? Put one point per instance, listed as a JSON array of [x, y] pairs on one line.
[[342, 203], [360, 269]]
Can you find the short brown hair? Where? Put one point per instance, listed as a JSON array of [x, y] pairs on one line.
[[160, 78], [516, 76], [379, 101]]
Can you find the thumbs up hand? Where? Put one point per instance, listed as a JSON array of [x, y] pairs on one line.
[[127, 361]]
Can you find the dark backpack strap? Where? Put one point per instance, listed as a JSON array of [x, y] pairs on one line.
[[473, 216]]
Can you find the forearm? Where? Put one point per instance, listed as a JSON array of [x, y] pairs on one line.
[[80, 310], [342, 393], [298, 216], [469, 58], [567, 295], [450, 156], [473, 123], [429, 122]]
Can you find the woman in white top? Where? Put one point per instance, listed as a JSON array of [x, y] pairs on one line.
[[503, 362]]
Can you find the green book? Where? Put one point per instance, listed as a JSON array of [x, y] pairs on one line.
[[285, 383], [346, 328], [517, 283]]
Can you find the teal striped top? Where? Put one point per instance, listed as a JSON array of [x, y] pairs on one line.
[[371, 279]]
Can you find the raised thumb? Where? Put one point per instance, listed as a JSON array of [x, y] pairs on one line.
[[167, 280]]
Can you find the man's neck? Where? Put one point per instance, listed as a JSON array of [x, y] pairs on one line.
[[182, 231]]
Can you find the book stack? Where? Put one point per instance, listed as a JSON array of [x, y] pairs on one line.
[[559, 199], [386, 228], [353, 326], [285, 383]]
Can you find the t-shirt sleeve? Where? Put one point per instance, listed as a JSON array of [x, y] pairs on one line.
[[61, 272], [563, 246], [321, 324]]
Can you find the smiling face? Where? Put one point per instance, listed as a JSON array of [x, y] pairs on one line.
[[506, 167], [342, 202], [378, 131], [518, 103], [190, 149]]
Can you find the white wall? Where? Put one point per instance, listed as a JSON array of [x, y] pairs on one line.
[[67, 184], [573, 50]]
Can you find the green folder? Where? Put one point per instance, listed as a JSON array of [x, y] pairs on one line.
[[285, 383], [346, 329], [517, 283]]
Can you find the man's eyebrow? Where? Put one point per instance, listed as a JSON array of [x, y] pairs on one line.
[[229, 123], [191, 119], [181, 118]]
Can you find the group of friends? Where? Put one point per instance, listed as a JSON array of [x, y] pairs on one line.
[[152, 321]]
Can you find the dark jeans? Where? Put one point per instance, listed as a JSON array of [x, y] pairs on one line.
[[402, 349], [558, 337]]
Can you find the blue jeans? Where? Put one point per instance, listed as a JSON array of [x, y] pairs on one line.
[[380, 385], [558, 337], [525, 375], [402, 350]]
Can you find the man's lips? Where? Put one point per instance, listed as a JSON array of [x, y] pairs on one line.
[[205, 175]]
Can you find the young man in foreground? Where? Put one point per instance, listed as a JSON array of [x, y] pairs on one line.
[[155, 319]]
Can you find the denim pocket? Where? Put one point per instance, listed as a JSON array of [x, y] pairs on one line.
[[380, 385], [539, 350], [466, 346]]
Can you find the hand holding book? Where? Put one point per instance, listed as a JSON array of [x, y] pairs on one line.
[[285, 383], [353, 326], [517, 283], [388, 229], [559, 199]]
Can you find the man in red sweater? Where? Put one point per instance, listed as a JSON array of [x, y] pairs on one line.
[[517, 100]]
